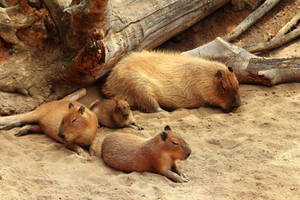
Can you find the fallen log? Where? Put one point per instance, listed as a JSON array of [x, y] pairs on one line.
[[248, 67]]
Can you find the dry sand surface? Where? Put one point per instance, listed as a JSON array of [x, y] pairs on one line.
[[253, 153]]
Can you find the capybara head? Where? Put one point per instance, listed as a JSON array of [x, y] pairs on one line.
[[227, 89], [73, 124], [122, 113], [173, 144]]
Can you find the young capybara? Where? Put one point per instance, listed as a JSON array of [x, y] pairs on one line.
[[129, 153], [68, 122], [154, 80], [113, 113]]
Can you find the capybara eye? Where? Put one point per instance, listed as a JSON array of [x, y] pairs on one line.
[[167, 128], [175, 143], [81, 110], [74, 120], [71, 105], [230, 69]]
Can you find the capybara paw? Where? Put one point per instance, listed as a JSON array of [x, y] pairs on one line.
[[158, 109], [185, 177], [5, 127], [20, 133], [182, 179]]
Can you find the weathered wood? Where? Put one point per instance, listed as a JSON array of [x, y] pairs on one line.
[[251, 19], [275, 42], [248, 67]]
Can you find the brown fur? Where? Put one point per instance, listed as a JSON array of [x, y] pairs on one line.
[[113, 113], [151, 80], [49, 118], [128, 153]]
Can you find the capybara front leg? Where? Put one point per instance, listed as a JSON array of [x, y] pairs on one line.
[[174, 176], [176, 170], [135, 126], [28, 129], [78, 149]]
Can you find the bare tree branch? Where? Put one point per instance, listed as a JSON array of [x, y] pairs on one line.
[[275, 42], [288, 26], [251, 19]]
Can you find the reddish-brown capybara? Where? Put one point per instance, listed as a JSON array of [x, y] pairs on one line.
[[158, 154]]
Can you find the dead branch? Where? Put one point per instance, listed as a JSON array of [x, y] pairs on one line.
[[293, 22], [248, 67], [76, 95], [275, 42], [251, 19]]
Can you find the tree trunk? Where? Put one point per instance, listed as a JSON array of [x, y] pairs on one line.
[[53, 44]]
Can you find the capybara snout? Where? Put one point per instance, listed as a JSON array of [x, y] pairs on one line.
[[233, 104], [188, 151], [228, 90]]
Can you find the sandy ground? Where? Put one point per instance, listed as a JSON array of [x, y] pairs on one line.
[[253, 153]]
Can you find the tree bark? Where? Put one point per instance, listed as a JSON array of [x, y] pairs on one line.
[[64, 42], [248, 67]]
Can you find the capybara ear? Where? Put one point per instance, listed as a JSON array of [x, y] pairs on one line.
[[167, 128], [81, 110], [230, 69], [71, 105], [164, 136], [219, 73]]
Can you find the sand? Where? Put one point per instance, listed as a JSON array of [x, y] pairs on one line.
[[253, 153]]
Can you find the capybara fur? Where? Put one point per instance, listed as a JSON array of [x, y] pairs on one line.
[[153, 80], [113, 113], [68, 122], [127, 152]]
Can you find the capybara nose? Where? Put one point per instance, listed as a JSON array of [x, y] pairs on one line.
[[61, 133], [188, 152]]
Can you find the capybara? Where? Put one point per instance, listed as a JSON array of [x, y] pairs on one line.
[[68, 122], [152, 80], [158, 154], [113, 113]]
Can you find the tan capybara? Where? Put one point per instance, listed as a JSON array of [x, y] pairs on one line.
[[68, 122], [129, 153], [113, 113], [153, 80]]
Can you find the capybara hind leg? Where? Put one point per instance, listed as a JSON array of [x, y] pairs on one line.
[[10, 125], [146, 103], [10, 122], [28, 129], [174, 176]]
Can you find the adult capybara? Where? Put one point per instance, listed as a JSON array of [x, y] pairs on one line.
[[68, 122], [113, 113], [152, 80], [158, 154]]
